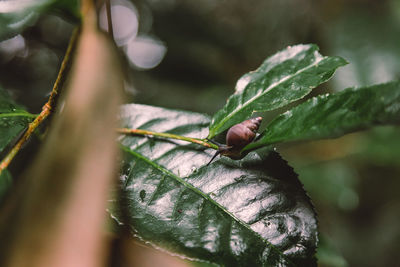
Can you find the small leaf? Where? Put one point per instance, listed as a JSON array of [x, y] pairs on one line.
[[283, 78], [334, 115], [16, 15], [13, 119], [252, 212]]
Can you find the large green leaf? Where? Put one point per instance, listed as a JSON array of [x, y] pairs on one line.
[[283, 78], [333, 115], [16, 15], [252, 212], [13, 119]]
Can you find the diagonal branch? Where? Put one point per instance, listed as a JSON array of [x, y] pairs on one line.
[[109, 19], [47, 108]]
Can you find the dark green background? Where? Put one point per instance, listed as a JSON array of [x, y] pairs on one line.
[[353, 180]]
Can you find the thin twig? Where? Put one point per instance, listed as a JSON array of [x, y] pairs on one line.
[[109, 19], [61, 72], [47, 108], [167, 135]]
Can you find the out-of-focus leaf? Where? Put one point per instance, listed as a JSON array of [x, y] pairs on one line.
[[13, 119], [283, 78], [332, 183], [75, 165], [333, 115], [252, 212], [328, 255], [381, 146], [5, 183], [67, 7], [16, 15], [374, 53]]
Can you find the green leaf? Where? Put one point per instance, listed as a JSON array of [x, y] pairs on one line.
[[252, 212], [16, 15], [328, 255], [283, 78], [334, 115], [13, 119]]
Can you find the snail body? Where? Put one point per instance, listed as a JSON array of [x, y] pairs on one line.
[[237, 137]]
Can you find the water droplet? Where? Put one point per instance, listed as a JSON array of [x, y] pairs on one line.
[[142, 195], [193, 169]]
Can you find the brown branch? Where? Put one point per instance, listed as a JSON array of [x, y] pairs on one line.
[[47, 108], [109, 19]]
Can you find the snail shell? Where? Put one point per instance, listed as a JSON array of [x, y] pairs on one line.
[[237, 137], [240, 135]]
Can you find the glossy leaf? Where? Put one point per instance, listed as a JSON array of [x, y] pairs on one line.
[[252, 212], [283, 78], [16, 15], [13, 119], [334, 115]]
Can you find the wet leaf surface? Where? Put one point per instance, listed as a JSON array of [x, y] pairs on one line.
[[334, 115], [252, 212], [283, 78], [13, 119]]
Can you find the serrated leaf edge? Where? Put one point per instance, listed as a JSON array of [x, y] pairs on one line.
[[239, 108], [256, 145], [205, 196]]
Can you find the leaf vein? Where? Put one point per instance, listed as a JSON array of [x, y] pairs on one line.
[[205, 196], [155, 191], [272, 86], [17, 114]]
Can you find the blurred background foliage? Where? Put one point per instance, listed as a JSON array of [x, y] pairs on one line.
[[189, 54]]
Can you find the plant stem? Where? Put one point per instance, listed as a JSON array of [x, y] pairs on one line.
[[47, 108], [61, 73], [109, 19], [198, 141]]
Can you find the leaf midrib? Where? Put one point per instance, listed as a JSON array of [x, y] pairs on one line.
[[272, 86], [202, 194], [17, 114]]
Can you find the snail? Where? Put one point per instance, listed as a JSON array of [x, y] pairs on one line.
[[237, 137]]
